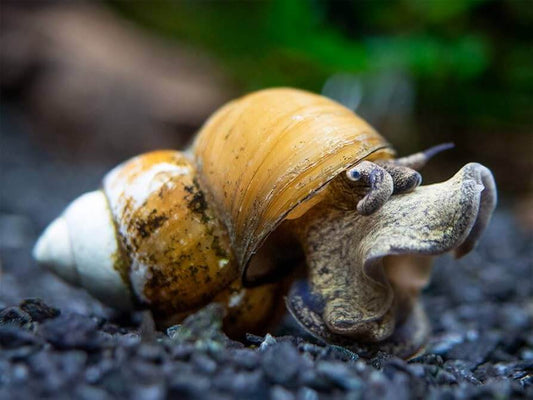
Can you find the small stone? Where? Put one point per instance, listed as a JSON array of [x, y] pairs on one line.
[[150, 392], [339, 353], [177, 368], [38, 310], [204, 364], [19, 373], [12, 337], [433, 359], [462, 371], [243, 384], [527, 354], [151, 352], [245, 358], [311, 378], [93, 374], [146, 372], [445, 343], [181, 351], [173, 332], [254, 339], [360, 366], [379, 360], [305, 393], [339, 374], [281, 363], [119, 382], [267, 342], [445, 378], [416, 370], [377, 385], [310, 348], [130, 339], [14, 316], [395, 365], [280, 393], [515, 317], [526, 380], [69, 331], [204, 328], [57, 368], [476, 350], [88, 392]]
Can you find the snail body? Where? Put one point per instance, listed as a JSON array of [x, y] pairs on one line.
[[268, 174]]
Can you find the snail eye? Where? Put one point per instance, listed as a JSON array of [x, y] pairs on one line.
[[354, 175]]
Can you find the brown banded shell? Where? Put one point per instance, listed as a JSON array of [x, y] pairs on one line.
[[179, 254], [267, 155]]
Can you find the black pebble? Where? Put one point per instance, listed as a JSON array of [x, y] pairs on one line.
[[281, 363], [481, 347], [38, 310]]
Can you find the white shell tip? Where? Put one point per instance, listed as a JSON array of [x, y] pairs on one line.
[[53, 249]]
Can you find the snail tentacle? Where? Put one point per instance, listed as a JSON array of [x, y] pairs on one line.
[[380, 182], [405, 179], [418, 160], [403, 170]]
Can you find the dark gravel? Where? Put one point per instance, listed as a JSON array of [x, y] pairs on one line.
[[71, 346]]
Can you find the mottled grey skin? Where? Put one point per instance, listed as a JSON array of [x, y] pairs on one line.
[[366, 269], [384, 178]]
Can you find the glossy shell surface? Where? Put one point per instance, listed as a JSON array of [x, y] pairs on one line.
[[263, 156]]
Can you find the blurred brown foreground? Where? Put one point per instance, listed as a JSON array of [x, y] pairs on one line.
[[97, 88]]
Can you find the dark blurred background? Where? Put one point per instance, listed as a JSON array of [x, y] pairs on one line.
[[85, 85]]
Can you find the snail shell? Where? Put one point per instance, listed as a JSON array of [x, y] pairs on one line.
[[151, 230], [265, 157], [81, 247], [173, 233], [149, 237]]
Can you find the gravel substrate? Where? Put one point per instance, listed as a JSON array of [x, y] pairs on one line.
[[482, 347], [70, 346]]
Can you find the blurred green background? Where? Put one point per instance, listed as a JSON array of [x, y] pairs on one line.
[[101, 81], [468, 63]]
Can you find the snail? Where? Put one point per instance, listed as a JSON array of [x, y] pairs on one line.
[[277, 179]]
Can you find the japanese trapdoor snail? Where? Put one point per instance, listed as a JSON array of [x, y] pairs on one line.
[[277, 179]]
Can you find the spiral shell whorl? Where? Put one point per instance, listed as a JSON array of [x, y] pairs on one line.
[[81, 246], [179, 252], [261, 156]]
